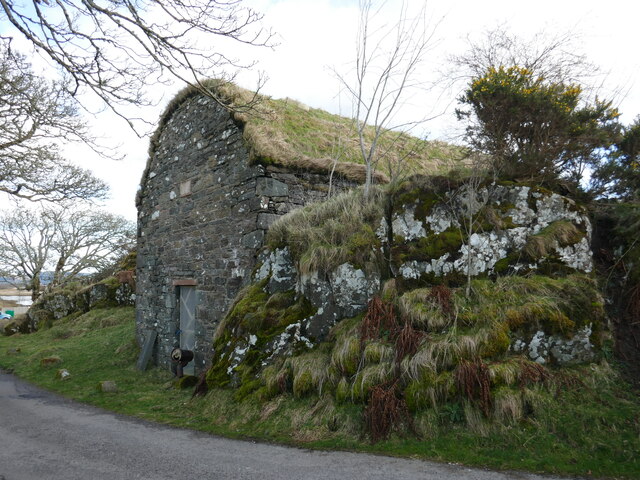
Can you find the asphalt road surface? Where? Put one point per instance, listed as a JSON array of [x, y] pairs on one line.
[[44, 436]]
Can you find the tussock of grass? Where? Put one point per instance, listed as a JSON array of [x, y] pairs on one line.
[[421, 309], [345, 356], [368, 377], [326, 235], [377, 352], [559, 233], [312, 373]]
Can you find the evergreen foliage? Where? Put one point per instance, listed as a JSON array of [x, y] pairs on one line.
[[535, 128]]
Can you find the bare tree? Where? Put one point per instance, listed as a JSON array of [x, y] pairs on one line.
[[25, 247], [386, 73], [116, 49], [35, 115], [88, 242], [64, 243], [556, 57]]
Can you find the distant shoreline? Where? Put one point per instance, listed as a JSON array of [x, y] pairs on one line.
[[13, 291]]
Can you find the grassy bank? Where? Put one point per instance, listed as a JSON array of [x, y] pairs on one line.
[[594, 428]]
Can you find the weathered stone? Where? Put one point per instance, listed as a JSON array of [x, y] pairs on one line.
[[270, 187], [282, 269], [107, 386], [543, 348], [211, 235], [353, 288], [484, 249]]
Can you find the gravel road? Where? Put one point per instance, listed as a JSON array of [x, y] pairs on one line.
[[45, 436]]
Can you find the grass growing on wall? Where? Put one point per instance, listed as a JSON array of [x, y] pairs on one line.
[[287, 133], [324, 235], [585, 428]]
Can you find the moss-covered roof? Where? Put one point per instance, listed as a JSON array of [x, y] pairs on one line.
[[286, 133]]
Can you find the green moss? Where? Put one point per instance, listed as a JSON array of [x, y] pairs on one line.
[[497, 343], [260, 316], [247, 388], [561, 232], [501, 265], [430, 247], [365, 238]]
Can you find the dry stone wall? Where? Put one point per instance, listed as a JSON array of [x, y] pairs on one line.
[[203, 210]]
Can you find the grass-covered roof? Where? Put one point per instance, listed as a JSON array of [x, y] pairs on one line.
[[286, 133]]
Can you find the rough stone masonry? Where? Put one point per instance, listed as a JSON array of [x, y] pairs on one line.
[[203, 210]]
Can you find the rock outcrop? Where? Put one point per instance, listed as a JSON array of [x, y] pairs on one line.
[[429, 237]]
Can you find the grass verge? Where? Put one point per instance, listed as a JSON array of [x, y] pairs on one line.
[[589, 429]]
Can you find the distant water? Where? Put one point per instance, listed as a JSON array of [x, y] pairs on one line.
[[19, 299]]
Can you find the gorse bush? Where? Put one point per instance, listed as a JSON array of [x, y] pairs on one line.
[[535, 128]]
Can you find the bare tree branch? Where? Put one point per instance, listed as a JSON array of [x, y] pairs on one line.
[[35, 116], [117, 48], [387, 61]]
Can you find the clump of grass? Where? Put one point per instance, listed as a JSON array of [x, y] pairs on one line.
[[345, 356], [420, 308], [560, 233], [325, 235], [311, 373], [377, 352], [368, 378]]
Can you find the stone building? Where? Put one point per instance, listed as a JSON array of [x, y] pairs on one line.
[[206, 199]]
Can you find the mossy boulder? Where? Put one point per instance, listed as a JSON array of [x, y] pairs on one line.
[[453, 324], [17, 324]]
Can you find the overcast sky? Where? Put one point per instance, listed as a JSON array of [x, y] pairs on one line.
[[316, 36]]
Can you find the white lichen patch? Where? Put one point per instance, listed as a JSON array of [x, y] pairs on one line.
[[279, 266], [482, 252], [577, 256], [440, 219], [407, 226], [351, 286], [543, 348], [237, 356]]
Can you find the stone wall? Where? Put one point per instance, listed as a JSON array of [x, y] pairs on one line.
[[57, 304], [203, 211]]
